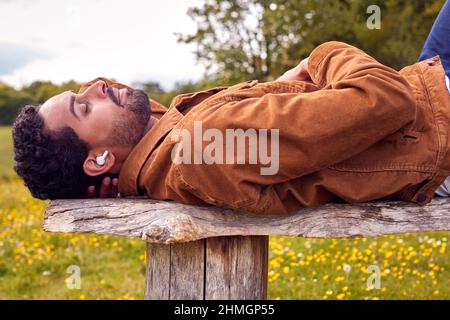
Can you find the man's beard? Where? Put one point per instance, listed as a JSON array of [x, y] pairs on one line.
[[128, 131]]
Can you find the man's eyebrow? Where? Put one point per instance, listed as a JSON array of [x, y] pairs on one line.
[[71, 106]]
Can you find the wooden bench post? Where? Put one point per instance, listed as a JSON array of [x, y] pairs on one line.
[[229, 268], [199, 252]]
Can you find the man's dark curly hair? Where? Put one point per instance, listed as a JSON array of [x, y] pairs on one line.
[[51, 164]]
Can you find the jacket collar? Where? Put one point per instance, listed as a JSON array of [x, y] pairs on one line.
[[129, 173], [128, 176]]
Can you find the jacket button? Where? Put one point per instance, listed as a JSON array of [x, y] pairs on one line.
[[422, 197]]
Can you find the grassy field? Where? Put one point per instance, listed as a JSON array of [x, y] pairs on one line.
[[34, 264]]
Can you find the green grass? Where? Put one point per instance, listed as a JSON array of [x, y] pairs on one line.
[[33, 263], [6, 158]]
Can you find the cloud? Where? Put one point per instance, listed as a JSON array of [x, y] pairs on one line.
[[14, 56], [129, 41]]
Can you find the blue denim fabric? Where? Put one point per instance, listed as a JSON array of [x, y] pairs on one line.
[[438, 41]]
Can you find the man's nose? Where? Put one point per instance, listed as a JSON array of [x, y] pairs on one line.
[[98, 88], [102, 87]]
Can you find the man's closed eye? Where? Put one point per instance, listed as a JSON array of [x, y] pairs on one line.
[[84, 108]]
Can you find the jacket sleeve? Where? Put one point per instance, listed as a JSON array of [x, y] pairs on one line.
[[360, 102], [157, 108]]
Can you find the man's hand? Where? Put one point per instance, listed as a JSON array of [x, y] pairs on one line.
[[108, 189], [299, 73]]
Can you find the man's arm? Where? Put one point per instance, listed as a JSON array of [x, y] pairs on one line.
[[361, 102], [108, 189], [298, 73]]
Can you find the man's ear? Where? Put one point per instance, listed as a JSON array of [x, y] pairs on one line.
[[92, 168]]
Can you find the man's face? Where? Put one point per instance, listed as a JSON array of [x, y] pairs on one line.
[[102, 116]]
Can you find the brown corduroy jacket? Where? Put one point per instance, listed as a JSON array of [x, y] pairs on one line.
[[359, 131]]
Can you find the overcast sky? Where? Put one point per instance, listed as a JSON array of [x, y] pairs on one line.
[[128, 40]]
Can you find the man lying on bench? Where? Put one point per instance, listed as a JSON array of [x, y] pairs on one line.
[[338, 127]]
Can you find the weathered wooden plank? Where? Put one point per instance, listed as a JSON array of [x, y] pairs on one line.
[[157, 272], [214, 268], [169, 222], [175, 271], [236, 268], [187, 270]]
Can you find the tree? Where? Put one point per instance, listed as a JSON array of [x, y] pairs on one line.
[[12, 100], [232, 39], [239, 40], [149, 86]]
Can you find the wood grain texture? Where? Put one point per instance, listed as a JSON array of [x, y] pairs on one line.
[[187, 270], [157, 278], [236, 268], [215, 268], [169, 222]]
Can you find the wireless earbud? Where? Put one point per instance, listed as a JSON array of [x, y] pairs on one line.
[[101, 159]]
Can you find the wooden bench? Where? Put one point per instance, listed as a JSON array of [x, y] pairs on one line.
[[216, 253]]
